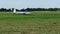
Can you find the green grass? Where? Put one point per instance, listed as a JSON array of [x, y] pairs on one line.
[[37, 23]]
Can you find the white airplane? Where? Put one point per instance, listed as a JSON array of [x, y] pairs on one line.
[[15, 12]]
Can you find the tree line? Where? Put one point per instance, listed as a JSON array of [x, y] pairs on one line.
[[30, 9], [41, 9]]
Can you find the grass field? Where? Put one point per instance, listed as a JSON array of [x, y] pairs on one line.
[[37, 23]]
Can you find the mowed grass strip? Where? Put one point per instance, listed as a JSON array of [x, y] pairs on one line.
[[36, 23]]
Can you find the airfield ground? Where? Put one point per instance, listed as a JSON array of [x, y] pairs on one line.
[[39, 22]]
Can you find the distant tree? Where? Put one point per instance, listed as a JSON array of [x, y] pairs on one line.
[[17, 10], [22, 10], [8, 10]]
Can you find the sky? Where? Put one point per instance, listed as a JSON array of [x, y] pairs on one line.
[[20, 4]]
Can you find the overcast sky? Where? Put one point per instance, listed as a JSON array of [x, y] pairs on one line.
[[19, 4]]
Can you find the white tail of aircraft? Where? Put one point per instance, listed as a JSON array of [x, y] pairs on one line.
[[14, 11]]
